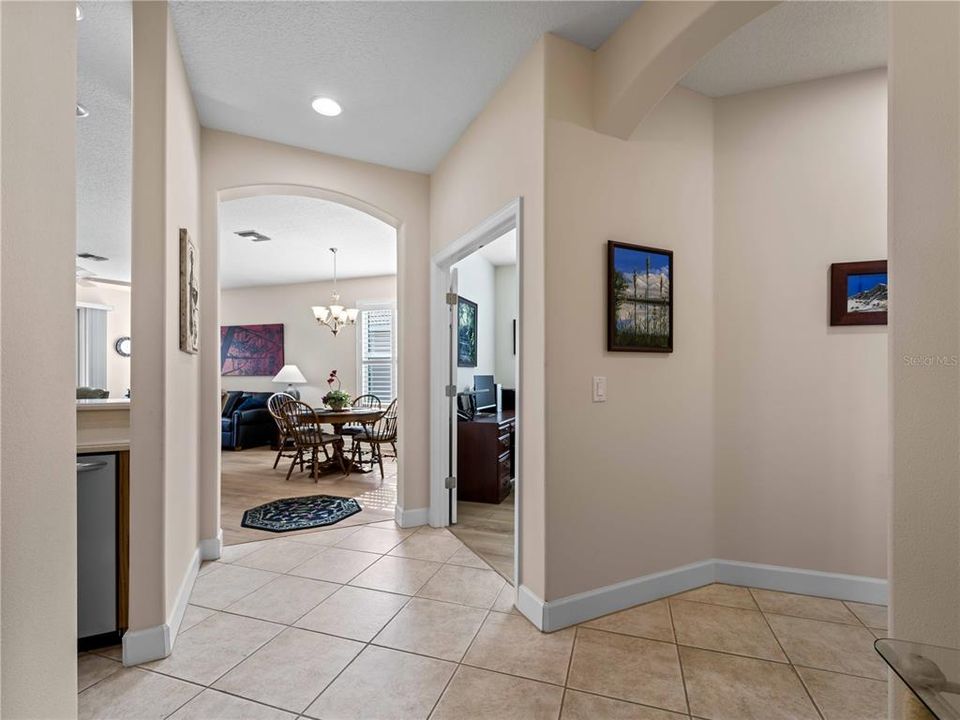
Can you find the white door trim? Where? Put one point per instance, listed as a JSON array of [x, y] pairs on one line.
[[508, 217]]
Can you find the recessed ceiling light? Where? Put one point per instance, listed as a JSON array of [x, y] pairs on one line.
[[82, 111], [326, 106], [79, 13]]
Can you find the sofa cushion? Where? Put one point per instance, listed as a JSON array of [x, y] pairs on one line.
[[253, 401], [233, 399]]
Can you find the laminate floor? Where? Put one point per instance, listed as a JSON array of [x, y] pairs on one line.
[[488, 530], [248, 479]]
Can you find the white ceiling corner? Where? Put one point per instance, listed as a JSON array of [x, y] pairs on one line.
[[502, 251]]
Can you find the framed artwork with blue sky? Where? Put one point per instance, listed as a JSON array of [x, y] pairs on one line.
[[858, 293], [639, 298]]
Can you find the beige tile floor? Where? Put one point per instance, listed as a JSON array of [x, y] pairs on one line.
[[377, 623]]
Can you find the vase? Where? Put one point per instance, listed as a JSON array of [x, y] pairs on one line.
[[336, 405]]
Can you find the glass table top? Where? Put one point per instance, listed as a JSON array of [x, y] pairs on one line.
[[930, 671]]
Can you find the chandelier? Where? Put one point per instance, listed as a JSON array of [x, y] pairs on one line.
[[336, 315]]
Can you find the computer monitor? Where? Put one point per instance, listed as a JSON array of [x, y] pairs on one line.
[[486, 393]]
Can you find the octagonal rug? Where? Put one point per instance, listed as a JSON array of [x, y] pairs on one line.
[[300, 513]]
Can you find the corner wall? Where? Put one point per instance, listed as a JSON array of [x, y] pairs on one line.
[[164, 411], [802, 408], [925, 255], [499, 157], [631, 480], [38, 504]]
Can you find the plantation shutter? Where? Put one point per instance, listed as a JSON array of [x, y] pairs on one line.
[[377, 362]]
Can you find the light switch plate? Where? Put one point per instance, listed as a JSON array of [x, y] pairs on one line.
[[599, 388]]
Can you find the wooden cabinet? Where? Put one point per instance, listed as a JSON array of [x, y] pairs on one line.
[[486, 465]]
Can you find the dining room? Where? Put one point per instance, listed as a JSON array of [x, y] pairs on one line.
[[308, 365]]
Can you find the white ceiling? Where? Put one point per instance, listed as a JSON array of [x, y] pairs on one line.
[[409, 75], [301, 230], [104, 139], [793, 42], [502, 251]]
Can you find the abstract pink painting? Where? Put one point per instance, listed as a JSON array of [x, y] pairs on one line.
[[251, 350]]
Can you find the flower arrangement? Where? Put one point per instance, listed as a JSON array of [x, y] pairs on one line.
[[335, 399]]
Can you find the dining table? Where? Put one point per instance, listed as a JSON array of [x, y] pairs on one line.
[[365, 416]]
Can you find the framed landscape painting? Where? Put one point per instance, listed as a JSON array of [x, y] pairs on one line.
[[858, 293], [251, 350], [639, 298], [466, 333]]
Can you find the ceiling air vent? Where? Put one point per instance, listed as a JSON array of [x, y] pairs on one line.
[[91, 256], [252, 235]]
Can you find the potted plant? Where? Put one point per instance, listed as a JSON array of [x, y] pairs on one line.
[[335, 399]]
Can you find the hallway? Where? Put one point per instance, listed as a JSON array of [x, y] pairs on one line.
[[376, 622]]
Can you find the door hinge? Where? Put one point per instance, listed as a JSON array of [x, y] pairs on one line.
[[452, 298], [450, 483], [450, 390]]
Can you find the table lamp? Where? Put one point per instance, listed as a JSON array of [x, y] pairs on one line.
[[290, 374]]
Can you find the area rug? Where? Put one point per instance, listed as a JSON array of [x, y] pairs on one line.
[[300, 513]]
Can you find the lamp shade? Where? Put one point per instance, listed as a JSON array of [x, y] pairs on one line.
[[289, 374]]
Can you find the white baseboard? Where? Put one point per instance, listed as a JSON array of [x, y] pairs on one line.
[[531, 607], [154, 643], [410, 518], [573, 609], [212, 548], [856, 588]]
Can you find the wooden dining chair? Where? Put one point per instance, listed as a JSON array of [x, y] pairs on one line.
[[382, 432], [366, 402], [287, 448], [303, 425]]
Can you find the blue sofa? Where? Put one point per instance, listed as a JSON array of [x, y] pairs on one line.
[[245, 421]]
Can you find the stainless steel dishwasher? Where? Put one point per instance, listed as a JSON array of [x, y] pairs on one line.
[[96, 549]]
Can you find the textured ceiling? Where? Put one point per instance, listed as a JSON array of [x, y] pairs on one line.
[[409, 75], [301, 231], [104, 140], [793, 42]]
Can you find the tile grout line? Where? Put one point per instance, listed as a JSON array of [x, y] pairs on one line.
[[285, 626], [796, 674], [566, 676], [683, 675], [459, 663]]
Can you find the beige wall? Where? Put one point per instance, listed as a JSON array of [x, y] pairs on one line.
[[476, 281], [312, 348], [802, 408], [498, 158], [925, 260], [631, 480], [38, 551], [118, 325], [237, 166], [164, 413], [182, 411], [505, 362]]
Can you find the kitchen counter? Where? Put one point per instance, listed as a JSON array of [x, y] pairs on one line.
[[103, 425]]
